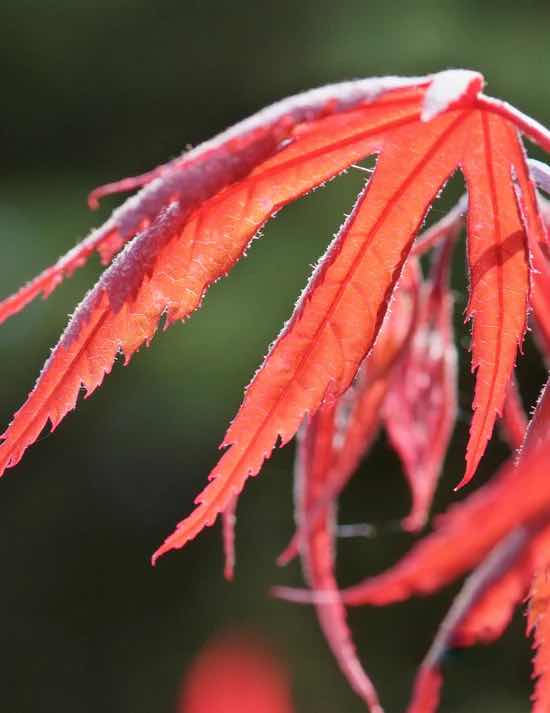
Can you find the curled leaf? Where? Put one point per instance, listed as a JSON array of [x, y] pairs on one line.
[[420, 407]]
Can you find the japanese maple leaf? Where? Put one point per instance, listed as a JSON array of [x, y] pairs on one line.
[[315, 450], [194, 218], [509, 554], [420, 407], [330, 445], [358, 411], [411, 367], [202, 210]]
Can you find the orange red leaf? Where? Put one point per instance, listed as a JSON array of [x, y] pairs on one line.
[[193, 242], [337, 318], [499, 284], [358, 413], [516, 496], [199, 174], [345, 357]]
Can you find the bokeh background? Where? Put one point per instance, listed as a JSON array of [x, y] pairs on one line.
[[93, 91]]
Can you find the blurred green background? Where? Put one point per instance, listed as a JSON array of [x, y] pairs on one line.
[[93, 91]]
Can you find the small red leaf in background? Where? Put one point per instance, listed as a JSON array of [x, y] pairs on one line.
[[516, 496], [235, 673]]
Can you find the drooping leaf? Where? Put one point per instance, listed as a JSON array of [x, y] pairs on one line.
[[358, 412], [337, 318], [518, 495], [313, 468], [196, 240], [428, 681], [201, 212], [485, 604], [420, 407]]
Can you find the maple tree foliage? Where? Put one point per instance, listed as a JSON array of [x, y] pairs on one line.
[[369, 345]]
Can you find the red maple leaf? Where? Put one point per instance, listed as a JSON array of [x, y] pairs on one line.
[[508, 552], [369, 341]]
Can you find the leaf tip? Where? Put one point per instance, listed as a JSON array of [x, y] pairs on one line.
[[467, 477], [162, 550]]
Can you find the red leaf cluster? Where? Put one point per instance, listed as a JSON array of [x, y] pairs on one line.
[[370, 342]]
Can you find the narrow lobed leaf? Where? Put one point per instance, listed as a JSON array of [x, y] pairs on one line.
[[516, 496], [337, 318], [167, 268], [421, 403], [498, 271], [313, 463], [203, 171], [358, 413], [428, 682]]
